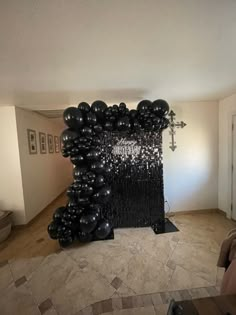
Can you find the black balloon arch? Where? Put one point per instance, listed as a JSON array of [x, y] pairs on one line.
[[82, 218]]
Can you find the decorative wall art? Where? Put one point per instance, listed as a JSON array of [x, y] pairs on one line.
[[50, 144], [56, 142], [32, 141], [42, 143], [118, 170], [172, 127]]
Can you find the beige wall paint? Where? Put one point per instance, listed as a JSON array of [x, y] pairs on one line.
[[227, 108], [44, 176], [191, 172], [11, 190]]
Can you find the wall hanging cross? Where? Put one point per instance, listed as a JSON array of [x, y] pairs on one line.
[[172, 127]]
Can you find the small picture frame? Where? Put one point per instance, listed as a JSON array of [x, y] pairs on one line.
[[50, 144], [42, 143], [32, 141], [56, 142]]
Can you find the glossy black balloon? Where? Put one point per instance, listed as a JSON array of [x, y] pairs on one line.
[[91, 119], [83, 201], [103, 230], [98, 107], [123, 124], [52, 230], [57, 216], [68, 135], [73, 118], [84, 237], [78, 171], [144, 105], [108, 126], [98, 128], [93, 155], [99, 181], [103, 195], [77, 159], [84, 107], [65, 152], [88, 223], [97, 167], [86, 131], [160, 108], [65, 241]]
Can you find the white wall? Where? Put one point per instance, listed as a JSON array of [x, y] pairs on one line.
[[227, 108], [191, 172], [44, 176], [11, 190]]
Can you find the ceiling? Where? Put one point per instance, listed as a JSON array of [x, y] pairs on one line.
[[60, 52]]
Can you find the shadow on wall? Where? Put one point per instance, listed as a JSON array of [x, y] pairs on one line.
[[191, 172]]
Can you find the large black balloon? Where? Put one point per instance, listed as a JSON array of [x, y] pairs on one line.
[[52, 230], [103, 230], [88, 223], [73, 118], [68, 135], [98, 107], [160, 108], [144, 105], [123, 124], [84, 107]]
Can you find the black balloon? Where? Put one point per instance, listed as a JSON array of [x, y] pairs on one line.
[[57, 216], [52, 230], [91, 119], [77, 159], [103, 230], [73, 118], [103, 195], [84, 237], [97, 167], [86, 131], [88, 223], [123, 124], [68, 135], [93, 155], [79, 171], [98, 128], [160, 108], [133, 113], [108, 125], [98, 107], [144, 105], [65, 241], [99, 181], [84, 107]]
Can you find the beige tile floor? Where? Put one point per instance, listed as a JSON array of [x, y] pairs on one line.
[[136, 273]]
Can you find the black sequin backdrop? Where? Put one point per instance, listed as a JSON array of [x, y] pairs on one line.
[[136, 181]]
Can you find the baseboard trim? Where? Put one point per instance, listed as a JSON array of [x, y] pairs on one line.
[[191, 212], [20, 226]]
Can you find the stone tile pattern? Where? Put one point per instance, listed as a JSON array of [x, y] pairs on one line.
[[136, 273]]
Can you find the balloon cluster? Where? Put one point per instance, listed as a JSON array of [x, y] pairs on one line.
[[82, 219]]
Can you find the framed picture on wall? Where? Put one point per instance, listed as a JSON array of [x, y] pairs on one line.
[[50, 144], [32, 141], [42, 143], [56, 142]]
